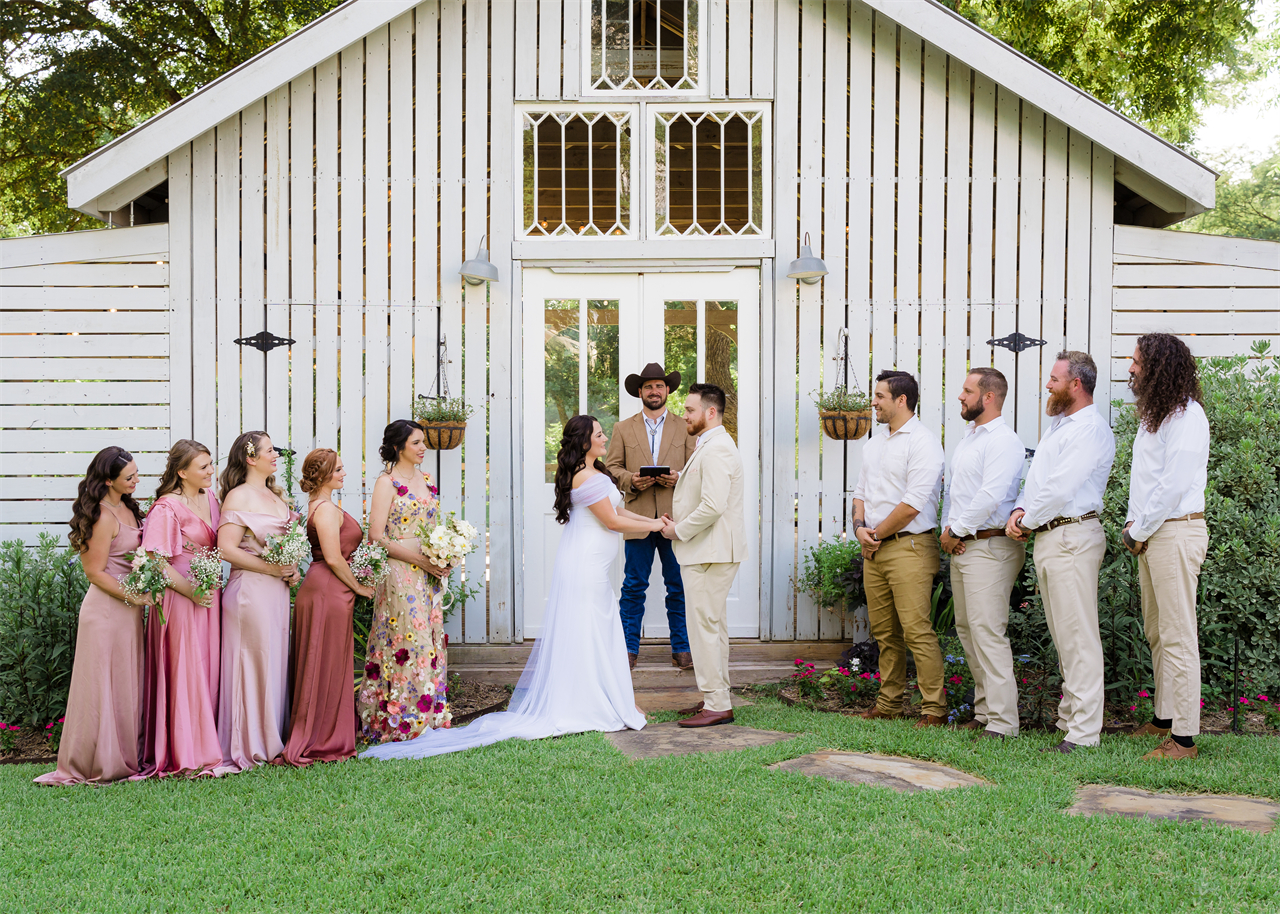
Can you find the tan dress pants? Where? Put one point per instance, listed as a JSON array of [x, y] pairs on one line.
[[1067, 563], [899, 583], [706, 591], [982, 579], [1169, 572]]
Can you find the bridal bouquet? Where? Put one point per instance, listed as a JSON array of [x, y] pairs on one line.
[[206, 572], [146, 581], [369, 563], [288, 548], [448, 540]]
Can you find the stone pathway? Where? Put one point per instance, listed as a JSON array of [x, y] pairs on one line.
[[658, 740], [905, 775], [1248, 813]]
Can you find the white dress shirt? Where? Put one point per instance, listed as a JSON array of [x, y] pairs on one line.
[[1069, 472], [905, 466], [653, 428], [1170, 470], [986, 473]]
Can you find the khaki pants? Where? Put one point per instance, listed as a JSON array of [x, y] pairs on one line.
[[982, 579], [706, 590], [899, 583], [1067, 563], [1169, 572]]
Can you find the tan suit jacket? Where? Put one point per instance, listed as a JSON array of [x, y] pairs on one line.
[[707, 504], [629, 451]]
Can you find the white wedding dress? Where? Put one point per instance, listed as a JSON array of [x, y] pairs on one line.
[[577, 678]]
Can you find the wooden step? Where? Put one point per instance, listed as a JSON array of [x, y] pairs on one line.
[[465, 657]]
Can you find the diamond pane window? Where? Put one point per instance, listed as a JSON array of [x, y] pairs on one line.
[[709, 172], [577, 172], [644, 45]]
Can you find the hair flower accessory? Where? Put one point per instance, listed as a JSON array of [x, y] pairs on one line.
[[250, 450]]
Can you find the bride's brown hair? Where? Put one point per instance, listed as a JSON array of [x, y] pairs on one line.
[[574, 444]]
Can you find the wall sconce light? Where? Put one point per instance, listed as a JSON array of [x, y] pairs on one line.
[[807, 268], [478, 270]]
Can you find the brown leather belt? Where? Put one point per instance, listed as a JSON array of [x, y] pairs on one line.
[[1198, 515], [983, 534], [893, 536], [1063, 521]]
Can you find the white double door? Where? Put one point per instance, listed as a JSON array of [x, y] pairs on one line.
[[583, 334]]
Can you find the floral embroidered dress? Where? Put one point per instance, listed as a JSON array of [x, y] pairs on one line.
[[405, 680]]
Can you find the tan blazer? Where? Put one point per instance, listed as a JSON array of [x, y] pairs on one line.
[[629, 451], [708, 504]]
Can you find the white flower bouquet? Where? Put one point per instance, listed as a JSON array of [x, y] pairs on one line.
[[448, 540], [369, 563], [288, 548], [206, 572], [146, 581]]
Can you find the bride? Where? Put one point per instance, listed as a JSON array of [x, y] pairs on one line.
[[577, 678]]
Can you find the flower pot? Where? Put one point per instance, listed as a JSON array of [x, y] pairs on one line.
[[846, 426], [444, 435]]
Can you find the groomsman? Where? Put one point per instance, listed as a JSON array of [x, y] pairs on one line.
[[986, 472], [894, 509], [1166, 530], [1060, 504]]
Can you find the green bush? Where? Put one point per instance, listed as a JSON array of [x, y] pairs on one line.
[[41, 590], [832, 574]]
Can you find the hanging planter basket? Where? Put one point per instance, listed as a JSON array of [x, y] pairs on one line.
[[443, 435], [845, 425], [443, 418]]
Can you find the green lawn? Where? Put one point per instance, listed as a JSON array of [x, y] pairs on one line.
[[571, 825]]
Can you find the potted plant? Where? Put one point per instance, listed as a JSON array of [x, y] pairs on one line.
[[846, 414], [445, 420]]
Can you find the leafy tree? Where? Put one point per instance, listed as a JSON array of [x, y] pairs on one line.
[[1152, 60], [77, 74], [1246, 208]]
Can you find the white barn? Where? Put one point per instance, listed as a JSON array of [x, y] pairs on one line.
[[641, 173]]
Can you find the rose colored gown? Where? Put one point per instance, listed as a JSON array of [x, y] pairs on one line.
[[253, 702], [103, 730], [323, 725], [180, 691]]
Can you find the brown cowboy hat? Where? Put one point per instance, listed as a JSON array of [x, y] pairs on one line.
[[652, 372]]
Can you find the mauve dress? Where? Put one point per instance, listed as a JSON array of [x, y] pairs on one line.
[[323, 724], [102, 734], [253, 702], [180, 689]]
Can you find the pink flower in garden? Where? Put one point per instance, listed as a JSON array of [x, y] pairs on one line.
[[1144, 694], [1263, 698], [955, 680], [1243, 700]]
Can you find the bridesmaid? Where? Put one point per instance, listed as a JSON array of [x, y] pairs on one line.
[[253, 702], [404, 687], [180, 691], [103, 729], [322, 726]]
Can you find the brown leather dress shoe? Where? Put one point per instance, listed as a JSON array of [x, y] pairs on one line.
[[990, 734], [632, 659], [974, 724], [1150, 729], [705, 718], [1171, 750], [1066, 747], [682, 659], [690, 711], [876, 714], [930, 720]]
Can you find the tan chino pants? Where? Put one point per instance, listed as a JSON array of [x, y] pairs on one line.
[[982, 579], [1169, 572], [706, 590], [899, 582]]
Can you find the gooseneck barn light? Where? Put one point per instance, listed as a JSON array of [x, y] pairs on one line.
[[807, 268], [479, 270]]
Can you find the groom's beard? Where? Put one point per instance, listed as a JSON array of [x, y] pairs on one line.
[[695, 427]]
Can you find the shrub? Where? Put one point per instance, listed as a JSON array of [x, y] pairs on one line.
[[832, 574], [957, 678], [41, 590]]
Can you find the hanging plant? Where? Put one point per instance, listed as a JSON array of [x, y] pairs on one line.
[[445, 420]]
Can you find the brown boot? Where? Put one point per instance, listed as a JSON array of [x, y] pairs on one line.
[[1150, 729], [930, 720], [632, 659], [682, 660], [876, 714], [1171, 750]]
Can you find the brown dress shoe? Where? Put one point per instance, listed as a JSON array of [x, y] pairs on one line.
[[876, 714], [1066, 747], [1150, 729], [930, 720], [990, 734], [682, 659], [705, 718], [690, 711], [633, 659], [1171, 750], [974, 724]]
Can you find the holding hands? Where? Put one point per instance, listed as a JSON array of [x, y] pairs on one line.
[[1134, 547], [668, 527], [951, 544], [1012, 528]]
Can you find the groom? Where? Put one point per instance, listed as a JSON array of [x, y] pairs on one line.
[[710, 540]]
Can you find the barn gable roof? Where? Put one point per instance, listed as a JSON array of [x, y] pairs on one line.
[[1157, 170]]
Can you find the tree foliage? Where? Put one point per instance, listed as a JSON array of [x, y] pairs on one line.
[[1246, 207], [76, 74]]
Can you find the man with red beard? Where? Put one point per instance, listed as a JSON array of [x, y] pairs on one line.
[[1166, 530], [1060, 504]]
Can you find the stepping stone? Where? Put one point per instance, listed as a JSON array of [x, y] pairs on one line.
[[905, 775], [651, 700], [1248, 813], [657, 740]]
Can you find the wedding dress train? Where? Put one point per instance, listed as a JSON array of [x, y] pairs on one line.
[[577, 678]]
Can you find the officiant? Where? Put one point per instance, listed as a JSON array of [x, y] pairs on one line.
[[646, 454]]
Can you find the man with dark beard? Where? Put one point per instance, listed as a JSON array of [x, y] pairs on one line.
[[1060, 504], [1166, 530]]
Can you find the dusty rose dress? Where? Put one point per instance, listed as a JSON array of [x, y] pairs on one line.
[[322, 727], [103, 730], [253, 701], [180, 690]]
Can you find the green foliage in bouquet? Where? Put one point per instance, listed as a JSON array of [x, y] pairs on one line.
[[442, 409], [840, 399]]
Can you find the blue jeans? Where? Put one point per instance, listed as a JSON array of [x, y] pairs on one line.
[[639, 556]]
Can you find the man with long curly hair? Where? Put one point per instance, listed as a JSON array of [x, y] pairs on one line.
[[1166, 530]]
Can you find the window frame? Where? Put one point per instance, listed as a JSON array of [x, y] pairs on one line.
[[700, 90]]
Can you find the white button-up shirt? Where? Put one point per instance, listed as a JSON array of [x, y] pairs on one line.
[[653, 428], [986, 473], [1069, 472], [905, 466], [1170, 470]]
